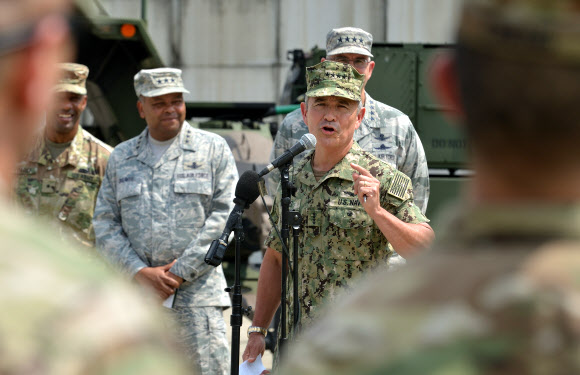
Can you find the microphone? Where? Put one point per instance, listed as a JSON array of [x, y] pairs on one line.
[[246, 193], [307, 142]]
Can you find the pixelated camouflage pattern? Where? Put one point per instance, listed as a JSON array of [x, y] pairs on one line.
[[63, 315], [540, 31], [206, 329], [497, 295], [340, 240], [348, 40], [73, 78], [331, 78], [64, 190], [385, 132], [149, 213], [160, 81]]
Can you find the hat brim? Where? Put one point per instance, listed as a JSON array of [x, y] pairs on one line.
[[163, 91], [349, 49], [70, 88], [333, 91]]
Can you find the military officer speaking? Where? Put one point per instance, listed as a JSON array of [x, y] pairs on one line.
[[353, 205], [61, 177], [166, 195]]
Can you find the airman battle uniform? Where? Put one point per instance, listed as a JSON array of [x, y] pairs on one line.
[[151, 212]]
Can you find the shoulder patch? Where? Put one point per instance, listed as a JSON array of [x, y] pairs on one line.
[[399, 185]]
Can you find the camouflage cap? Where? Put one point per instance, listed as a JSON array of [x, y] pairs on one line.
[[73, 78], [348, 40], [545, 31], [157, 82], [330, 78]]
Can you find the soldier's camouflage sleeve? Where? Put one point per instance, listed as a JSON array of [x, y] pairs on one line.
[[400, 145], [68, 315], [191, 263], [414, 165], [111, 240], [290, 132]]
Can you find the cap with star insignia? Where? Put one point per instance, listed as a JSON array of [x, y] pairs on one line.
[[348, 40], [330, 78], [157, 82]]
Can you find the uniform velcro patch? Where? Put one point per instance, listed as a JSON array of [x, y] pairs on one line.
[[399, 185]]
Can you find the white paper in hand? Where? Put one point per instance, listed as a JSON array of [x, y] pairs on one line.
[[254, 368], [169, 301]]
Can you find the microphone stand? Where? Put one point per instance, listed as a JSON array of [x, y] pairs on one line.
[[288, 218], [214, 258], [237, 309], [286, 187]]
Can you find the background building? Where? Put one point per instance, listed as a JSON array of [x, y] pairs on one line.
[[236, 50]]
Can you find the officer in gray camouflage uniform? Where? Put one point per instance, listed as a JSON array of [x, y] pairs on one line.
[[166, 195], [60, 315], [501, 295], [385, 131], [62, 175], [353, 205]]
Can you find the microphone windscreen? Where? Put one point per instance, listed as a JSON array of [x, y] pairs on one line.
[[247, 187], [308, 140]]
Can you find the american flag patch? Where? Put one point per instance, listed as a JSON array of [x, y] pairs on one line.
[[399, 185]]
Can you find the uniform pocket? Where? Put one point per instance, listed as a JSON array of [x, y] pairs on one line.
[[352, 229], [192, 198], [79, 205], [128, 197]]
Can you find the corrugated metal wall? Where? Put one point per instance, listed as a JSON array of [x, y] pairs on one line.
[[235, 50]]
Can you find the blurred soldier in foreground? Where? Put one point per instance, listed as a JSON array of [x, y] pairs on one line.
[[385, 132], [59, 315], [352, 204], [500, 293], [62, 175], [166, 195]]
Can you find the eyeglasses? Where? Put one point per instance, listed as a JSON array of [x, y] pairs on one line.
[[359, 62]]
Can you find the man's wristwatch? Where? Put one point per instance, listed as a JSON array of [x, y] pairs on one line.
[[261, 330]]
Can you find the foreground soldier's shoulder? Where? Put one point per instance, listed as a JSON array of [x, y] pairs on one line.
[[100, 144]]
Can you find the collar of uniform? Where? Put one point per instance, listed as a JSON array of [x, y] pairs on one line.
[[69, 156], [341, 170], [145, 155], [520, 222], [187, 137]]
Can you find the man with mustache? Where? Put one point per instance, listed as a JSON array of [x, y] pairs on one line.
[[166, 195], [352, 204], [61, 176]]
